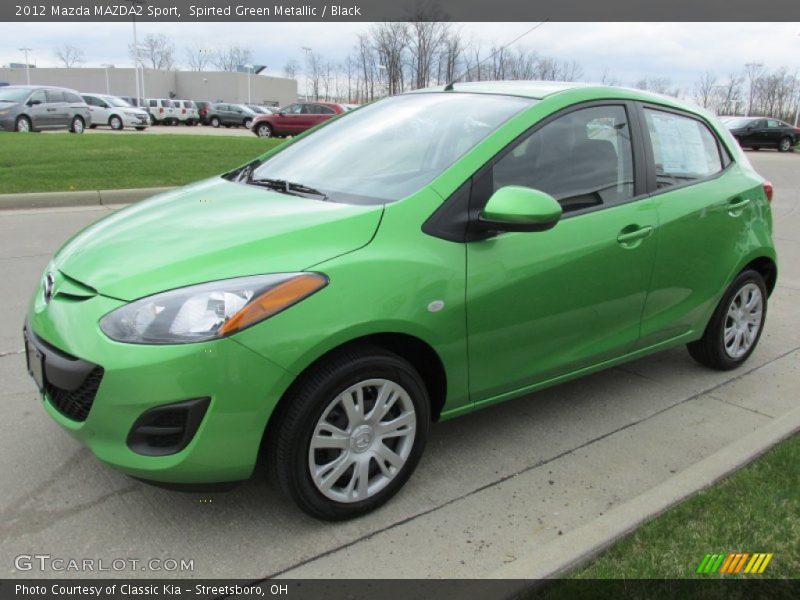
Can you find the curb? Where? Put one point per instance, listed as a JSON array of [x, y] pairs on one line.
[[583, 544], [82, 198]]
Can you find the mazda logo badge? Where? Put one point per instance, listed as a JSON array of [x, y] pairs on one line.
[[49, 284]]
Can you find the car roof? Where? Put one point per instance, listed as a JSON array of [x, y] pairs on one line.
[[40, 87], [540, 90]]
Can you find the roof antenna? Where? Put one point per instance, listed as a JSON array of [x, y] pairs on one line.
[[449, 86]]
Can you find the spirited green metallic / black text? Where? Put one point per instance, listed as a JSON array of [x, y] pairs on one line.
[[413, 260]]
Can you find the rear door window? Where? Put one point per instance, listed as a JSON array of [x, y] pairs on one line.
[[684, 149], [54, 96]]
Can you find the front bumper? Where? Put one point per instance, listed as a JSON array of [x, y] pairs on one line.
[[136, 121], [242, 388]]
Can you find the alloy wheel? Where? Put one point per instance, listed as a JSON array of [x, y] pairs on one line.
[[362, 440], [23, 125], [743, 320]]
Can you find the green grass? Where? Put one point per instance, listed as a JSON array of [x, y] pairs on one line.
[[64, 162], [757, 509]]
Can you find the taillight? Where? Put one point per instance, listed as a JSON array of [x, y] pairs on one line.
[[183, 111], [768, 190], [161, 110]]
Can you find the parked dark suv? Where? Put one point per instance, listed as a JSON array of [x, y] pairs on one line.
[[760, 132], [230, 115], [34, 108]]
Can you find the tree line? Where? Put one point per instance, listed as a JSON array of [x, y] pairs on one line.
[[390, 58]]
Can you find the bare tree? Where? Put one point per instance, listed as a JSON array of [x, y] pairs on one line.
[[607, 79], [156, 51], [390, 41], [231, 57], [658, 85], [425, 38], [704, 89], [315, 72], [291, 68], [198, 57], [70, 56]]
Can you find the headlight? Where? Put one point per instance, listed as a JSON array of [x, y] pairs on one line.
[[210, 310]]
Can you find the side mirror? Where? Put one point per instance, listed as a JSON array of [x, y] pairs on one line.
[[516, 208], [34, 102]]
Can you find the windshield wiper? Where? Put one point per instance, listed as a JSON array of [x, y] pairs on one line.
[[287, 187]]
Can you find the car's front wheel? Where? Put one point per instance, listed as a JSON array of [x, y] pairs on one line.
[[22, 124], [77, 125], [264, 130], [350, 434], [735, 327], [785, 144]]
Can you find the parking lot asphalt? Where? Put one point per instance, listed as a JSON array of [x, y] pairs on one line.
[[516, 476]]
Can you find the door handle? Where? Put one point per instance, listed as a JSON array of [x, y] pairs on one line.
[[626, 236], [737, 203]]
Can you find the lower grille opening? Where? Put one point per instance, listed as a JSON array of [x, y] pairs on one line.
[[167, 429], [76, 404]]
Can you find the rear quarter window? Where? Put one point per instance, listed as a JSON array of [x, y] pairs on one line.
[[684, 149]]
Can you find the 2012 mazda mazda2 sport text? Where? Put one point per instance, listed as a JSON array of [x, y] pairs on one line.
[[412, 260]]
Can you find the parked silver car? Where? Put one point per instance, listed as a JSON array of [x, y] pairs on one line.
[[115, 112], [36, 108]]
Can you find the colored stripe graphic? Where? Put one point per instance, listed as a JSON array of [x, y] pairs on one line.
[[734, 563]]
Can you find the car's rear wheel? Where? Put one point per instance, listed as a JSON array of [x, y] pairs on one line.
[[115, 123], [785, 144], [735, 327], [22, 124], [264, 130], [215, 122], [248, 123], [350, 433], [77, 125]]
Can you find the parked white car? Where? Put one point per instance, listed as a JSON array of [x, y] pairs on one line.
[[114, 112], [162, 111], [187, 110]]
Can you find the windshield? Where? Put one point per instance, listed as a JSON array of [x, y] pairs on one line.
[[738, 122], [114, 101], [14, 94], [392, 148]]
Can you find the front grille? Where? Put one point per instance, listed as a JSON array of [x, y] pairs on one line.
[[76, 404]]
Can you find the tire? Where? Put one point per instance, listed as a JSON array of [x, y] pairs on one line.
[[115, 123], [153, 120], [248, 123], [77, 125], [711, 350], [317, 401], [23, 124], [264, 130], [214, 122], [92, 126], [785, 144]]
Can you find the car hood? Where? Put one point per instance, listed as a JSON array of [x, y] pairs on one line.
[[214, 229]]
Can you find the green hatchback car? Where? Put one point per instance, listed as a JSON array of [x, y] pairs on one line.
[[414, 260]]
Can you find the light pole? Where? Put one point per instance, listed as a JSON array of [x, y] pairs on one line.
[[308, 53], [107, 67], [249, 74], [27, 64], [136, 50], [382, 69]]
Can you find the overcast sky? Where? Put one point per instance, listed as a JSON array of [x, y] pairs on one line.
[[629, 51]]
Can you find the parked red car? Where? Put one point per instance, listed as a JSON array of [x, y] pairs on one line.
[[295, 118]]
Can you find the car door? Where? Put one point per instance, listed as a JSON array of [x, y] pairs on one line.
[[57, 108], [773, 132], [756, 134], [289, 119], [703, 215], [36, 109], [544, 304]]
